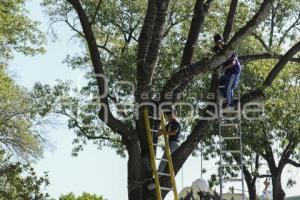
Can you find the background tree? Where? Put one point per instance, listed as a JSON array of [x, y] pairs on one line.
[[20, 138], [19, 122], [17, 31], [153, 45], [84, 196], [19, 181], [18, 116]]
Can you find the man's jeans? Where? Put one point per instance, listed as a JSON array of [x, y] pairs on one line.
[[230, 81], [173, 147]]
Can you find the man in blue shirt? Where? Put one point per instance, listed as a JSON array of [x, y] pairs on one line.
[[173, 131], [232, 70]]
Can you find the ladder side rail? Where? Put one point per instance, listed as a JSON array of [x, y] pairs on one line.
[[169, 158], [171, 168], [220, 139], [241, 142], [152, 154]]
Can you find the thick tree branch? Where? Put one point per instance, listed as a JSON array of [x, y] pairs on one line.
[[282, 62], [262, 42], [253, 57], [157, 36], [286, 154], [230, 19], [264, 176], [200, 12], [143, 44], [294, 163], [116, 125], [189, 72]]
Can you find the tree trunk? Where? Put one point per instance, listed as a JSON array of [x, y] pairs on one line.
[[139, 172], [138, 189], [278, 193], [252, 192]]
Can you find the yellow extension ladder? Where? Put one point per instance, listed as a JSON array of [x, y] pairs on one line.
[[153, 158]]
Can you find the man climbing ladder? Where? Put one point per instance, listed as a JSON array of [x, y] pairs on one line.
[[167, 159], [230, 131], [230, 79]]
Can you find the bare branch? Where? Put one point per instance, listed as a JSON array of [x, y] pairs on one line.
[[282, 62], [73, 28], [104, 47], [262, 42], [230, 19]]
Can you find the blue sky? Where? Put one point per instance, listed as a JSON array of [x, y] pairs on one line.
[[100, 172]]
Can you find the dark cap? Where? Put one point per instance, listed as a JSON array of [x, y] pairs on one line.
[[218, 37]]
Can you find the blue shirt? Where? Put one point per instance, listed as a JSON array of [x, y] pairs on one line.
[[174, 125], [236, 68]]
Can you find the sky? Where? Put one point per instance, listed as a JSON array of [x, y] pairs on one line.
[[95, 171]]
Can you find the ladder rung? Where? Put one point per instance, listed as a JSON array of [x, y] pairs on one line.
[[152, 117], [154, 131], [230, 138], [230, 151], [159, 145], [232, 180], [222, 86], [234, 124], [162, 159], [165, 188], [163, 174]]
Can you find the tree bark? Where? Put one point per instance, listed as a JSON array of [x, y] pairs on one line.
[[278, 193]]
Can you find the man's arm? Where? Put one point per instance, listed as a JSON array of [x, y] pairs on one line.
[[174, 128], [229, 64]]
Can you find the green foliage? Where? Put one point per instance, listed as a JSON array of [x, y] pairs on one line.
[[84, 196], [81, 112], [20, 182], [18, 120], [17, 31]]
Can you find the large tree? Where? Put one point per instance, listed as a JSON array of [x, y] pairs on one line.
[[163, 48]]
